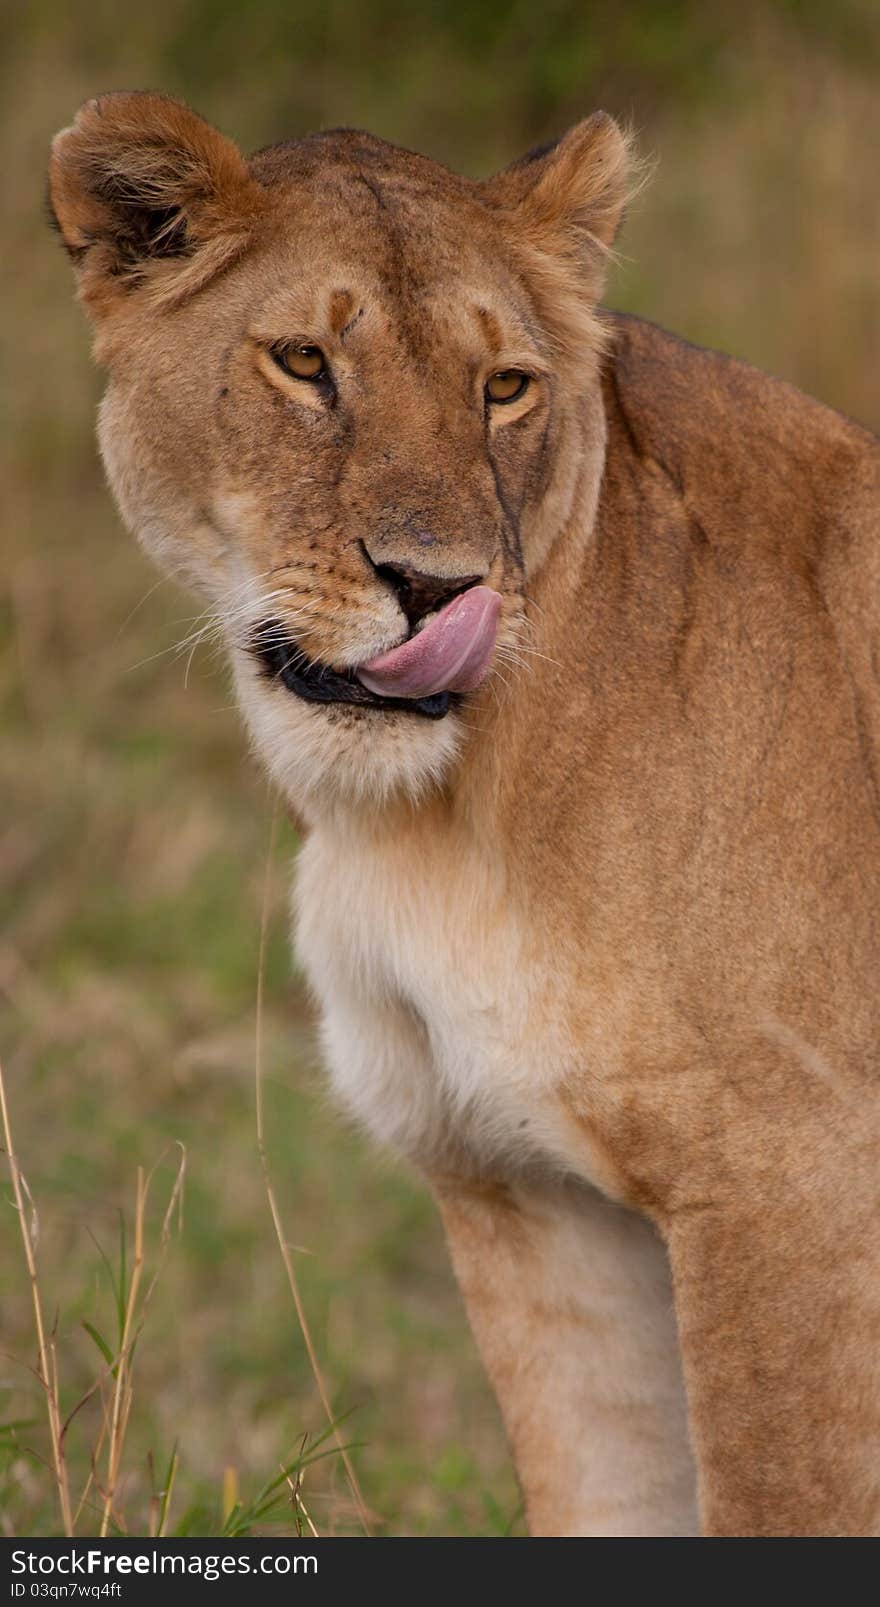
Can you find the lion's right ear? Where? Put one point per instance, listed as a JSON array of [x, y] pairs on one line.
[[560, 208], [145, 192]]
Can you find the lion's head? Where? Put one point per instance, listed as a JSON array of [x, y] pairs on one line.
[[352, 398]]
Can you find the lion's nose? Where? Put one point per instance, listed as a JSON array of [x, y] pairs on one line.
[[420, 592]]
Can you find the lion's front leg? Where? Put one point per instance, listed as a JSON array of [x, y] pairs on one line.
[[778, 1301], [570, 1301]]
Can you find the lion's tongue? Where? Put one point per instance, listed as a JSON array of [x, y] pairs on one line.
[[451, 653]]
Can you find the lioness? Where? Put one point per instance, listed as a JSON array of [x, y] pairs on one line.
[[560, 636]]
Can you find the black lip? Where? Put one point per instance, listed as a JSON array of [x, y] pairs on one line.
[[282, 660]]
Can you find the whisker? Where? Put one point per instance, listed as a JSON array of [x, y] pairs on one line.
[[162, 581], [523, 647], [178, 648]]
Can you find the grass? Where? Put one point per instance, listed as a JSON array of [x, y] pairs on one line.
[[99, 1507], [135, 830]]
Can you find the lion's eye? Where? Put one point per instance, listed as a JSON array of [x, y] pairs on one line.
[[303, 362], [507, 386]]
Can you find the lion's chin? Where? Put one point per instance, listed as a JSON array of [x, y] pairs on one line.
[[343, 753]]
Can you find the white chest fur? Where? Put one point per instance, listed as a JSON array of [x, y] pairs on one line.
[[442, 1027]]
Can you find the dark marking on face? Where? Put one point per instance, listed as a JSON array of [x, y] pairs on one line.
[[375, 190], [510, 531], [345, 435], [351, 323], [425, 538], [220, 413], [540, 474], [340, 309], [491, 328]]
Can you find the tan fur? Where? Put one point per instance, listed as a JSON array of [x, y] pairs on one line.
[[598, 950]]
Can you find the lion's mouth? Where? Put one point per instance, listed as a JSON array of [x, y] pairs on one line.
[[282, 660]]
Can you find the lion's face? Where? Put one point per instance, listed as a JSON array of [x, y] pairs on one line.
[[345, 390]]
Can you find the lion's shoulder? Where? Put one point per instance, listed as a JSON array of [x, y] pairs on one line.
[[783, 489], [680, 400], [748, 452]]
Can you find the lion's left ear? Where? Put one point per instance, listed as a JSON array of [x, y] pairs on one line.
[[567, 199], [147, 194]]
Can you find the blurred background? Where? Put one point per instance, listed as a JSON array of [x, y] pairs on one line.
[[134, 829]]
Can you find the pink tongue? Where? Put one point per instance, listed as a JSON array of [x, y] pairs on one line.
[[451, 654]]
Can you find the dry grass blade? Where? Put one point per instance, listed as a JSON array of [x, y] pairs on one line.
[[48, 1365], [123, 1392], [300, 1510], [283, 1245]]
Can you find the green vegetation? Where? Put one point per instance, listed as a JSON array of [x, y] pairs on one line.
[[134, 829]]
